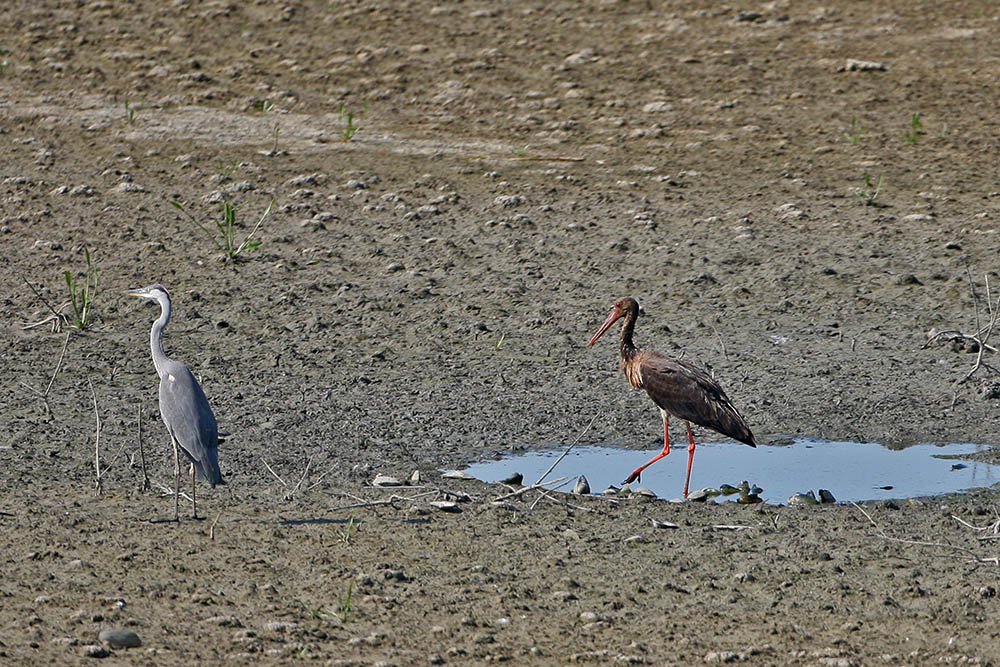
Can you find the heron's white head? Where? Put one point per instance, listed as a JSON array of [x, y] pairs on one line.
[[154, 291]]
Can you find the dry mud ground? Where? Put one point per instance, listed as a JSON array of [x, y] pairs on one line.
[[423, 296]]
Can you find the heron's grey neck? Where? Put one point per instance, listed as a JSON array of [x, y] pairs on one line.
[[156, 335]]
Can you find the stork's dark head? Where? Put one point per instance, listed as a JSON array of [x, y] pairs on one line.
[[626, 307]]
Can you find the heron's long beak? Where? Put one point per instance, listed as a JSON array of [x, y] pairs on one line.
[[612, 318], [135, 292]]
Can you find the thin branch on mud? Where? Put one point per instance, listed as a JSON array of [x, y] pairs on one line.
[[211, 529], [97, 440], [571, 445], [920, 543], [56, 316], [981, 337], [167, 492], [273, 473], [301, 479], [391, 500], [525, 489], [142, 454], [545, 493], [994, 527], [855, 337], [722, 342], [320, 479], [45, 395]]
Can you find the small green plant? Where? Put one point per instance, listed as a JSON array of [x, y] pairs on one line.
[[129, 113], [265, 106], [345, 532], [225, 236], [347, 118], [345, 604], [82, 296], [226, 171], [855, 134], [869, 193], [915, 131]]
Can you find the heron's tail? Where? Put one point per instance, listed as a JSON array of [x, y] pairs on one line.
[[208, 468]]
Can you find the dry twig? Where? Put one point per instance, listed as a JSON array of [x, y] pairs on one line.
[[142, 454], [981, 337], [920, 543], [45, 395], [97, 440]]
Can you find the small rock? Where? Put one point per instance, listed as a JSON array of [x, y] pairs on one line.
[[119, 638], [224, 621], [699, 496], [803, 499], [863, 66], [990, 390], [457, 474], [446, 506], [507, 201], [826, 497], [582, 486], [988, 592], [415, 477], [385, 480], [280, 626], [514, 479], [663, 524], [655, 107], [723, 656], [95, 651]]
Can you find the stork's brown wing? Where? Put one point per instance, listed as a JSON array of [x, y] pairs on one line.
[[688, 392]]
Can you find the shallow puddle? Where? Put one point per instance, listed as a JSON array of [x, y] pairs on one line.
[[849, 470]]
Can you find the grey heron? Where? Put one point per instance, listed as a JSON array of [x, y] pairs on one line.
[[183, 406]]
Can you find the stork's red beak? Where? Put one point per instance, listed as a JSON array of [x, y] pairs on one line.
[[612, 318]]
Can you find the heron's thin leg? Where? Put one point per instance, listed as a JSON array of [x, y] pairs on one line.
[[194, 503], [666, 450], [177, 479], [687, 479]]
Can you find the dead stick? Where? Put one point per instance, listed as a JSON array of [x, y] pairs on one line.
[[273, 473], [97, 439], [571, 445], [211, 530], [301, 479], [525, 489], [142, 454], [43, 299], [919, 543]]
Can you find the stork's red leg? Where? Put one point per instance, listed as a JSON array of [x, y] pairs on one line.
[[687, 479], [666, 450]]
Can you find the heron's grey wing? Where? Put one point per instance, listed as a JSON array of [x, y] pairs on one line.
[[189, 419], [688, 392]]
